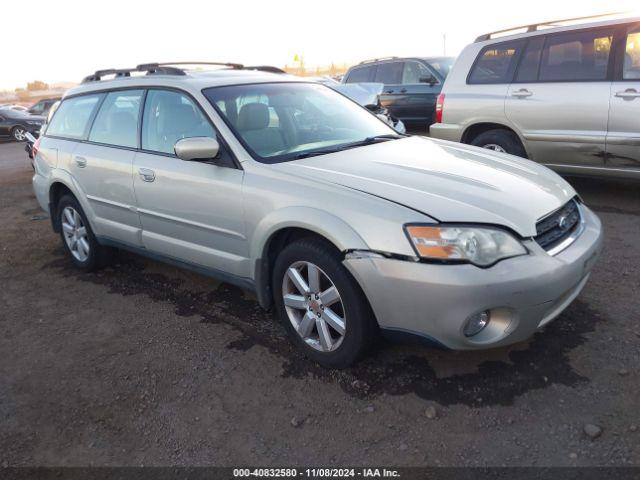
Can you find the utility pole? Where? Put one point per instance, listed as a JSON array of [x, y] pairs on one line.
[[444, 44]]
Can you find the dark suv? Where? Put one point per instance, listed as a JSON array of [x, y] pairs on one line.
[[411, 85]]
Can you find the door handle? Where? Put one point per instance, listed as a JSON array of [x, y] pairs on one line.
[[522, 93], [389, 91], [146, 174], [404, 90], [628, 93], [81, 162]]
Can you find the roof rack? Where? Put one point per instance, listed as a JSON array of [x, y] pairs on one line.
[[377, 60], [169, 68], [535, 26], [264, 68]]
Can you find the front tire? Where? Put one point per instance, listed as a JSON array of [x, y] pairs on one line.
[[320, 304], [19, 134], [500, 140], [77, 237]]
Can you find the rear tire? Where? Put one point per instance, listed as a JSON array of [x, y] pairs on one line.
[[77, 236], [334, 328], [500, 140]]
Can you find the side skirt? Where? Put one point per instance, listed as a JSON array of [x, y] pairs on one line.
[[241, 282]]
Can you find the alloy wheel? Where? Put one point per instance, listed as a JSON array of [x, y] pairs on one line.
[[314, 306], [19, 134], [75, 234], [495, 147]]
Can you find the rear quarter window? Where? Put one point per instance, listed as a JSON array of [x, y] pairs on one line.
[[496, 63], [72, 117]]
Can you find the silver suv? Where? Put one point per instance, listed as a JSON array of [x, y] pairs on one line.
[[291, 190], [567, 97]]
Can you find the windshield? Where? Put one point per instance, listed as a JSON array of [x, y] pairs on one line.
[[283, 121], [442, 65]]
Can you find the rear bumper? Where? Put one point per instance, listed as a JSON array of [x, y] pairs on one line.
[[446, 131], [523, 293]]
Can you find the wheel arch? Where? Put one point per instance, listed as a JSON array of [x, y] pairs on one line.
[[472, 131], [288, 225]]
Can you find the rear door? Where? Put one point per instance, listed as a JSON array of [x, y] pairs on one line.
[[623, 136], [559, 100], [420, 89], [394, 95], [190, 210], [103, 166]]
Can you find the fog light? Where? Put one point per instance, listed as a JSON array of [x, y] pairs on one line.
[[476, 323]]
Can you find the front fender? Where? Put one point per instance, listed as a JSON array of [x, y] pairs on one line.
[[323, 223], [334, 229]]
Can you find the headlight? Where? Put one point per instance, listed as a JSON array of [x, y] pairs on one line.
[[481, 246], [33, 122]]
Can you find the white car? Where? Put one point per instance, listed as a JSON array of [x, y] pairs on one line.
[[289, 189], [566, 96]]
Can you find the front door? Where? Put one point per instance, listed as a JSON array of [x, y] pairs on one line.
[[559, 100], [420, 89], [190, 211], [623, 137]]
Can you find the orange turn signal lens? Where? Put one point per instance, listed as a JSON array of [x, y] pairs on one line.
[[429, 242]]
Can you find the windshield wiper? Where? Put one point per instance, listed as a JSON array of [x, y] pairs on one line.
[[346, 146]]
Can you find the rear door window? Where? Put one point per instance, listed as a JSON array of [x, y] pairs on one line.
[[360, 74], [117, 120], [528, 69], [576, 56], [389, 73], [496, 63], [72, 117]]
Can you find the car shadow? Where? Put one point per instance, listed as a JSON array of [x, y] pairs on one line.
[[487, 377]]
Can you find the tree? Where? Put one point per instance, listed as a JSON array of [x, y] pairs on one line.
[[37, 85]]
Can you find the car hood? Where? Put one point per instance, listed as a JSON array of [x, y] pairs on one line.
[[447, 181]]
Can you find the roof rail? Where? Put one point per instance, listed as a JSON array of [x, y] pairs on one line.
[[377, 60], [236, 66], [165, 68], [264, 68], [535, 26]]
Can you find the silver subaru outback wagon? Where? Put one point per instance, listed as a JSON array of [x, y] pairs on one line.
[[291, 190]]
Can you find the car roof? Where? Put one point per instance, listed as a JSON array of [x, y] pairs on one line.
[[192, 80], [549, 28]]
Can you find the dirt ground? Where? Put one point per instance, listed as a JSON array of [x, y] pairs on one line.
[[146, 364]]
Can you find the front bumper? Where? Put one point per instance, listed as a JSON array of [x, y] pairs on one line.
[[523, 293]]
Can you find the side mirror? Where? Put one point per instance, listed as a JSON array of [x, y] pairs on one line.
[[430, 79], [197, 148], [372, 107]]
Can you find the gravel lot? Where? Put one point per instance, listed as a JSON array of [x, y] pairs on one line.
[[145, 364]]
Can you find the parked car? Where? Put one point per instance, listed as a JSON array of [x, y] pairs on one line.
[[365, 94], [14, 124], [42, 106], [567, 97], [411, 85], [289, 189], [19, 108]]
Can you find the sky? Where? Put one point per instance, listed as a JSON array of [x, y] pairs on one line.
[[65, 40]]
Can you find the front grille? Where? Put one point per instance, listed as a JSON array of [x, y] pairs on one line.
[[556, 227]]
